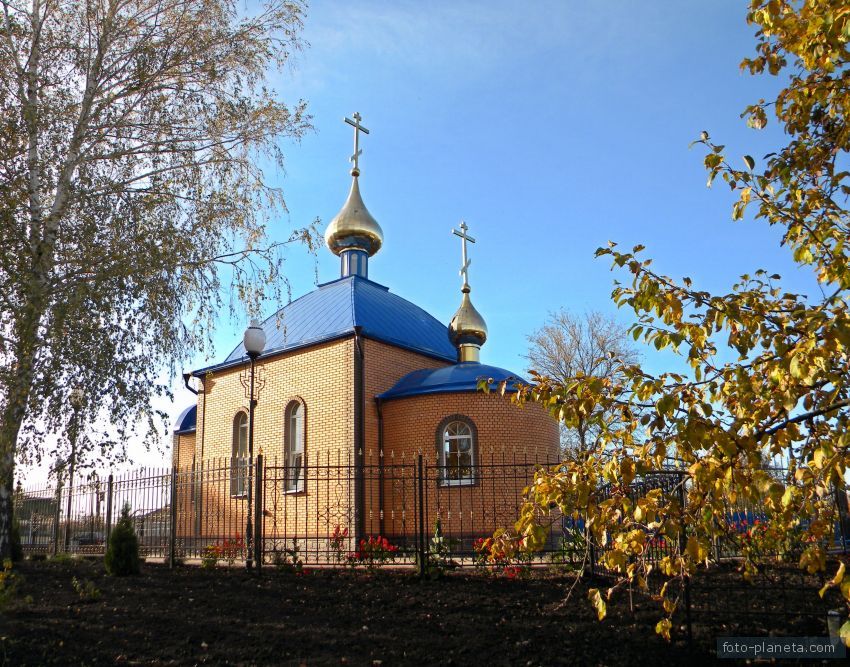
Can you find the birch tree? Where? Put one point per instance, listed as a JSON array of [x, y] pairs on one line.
[[134, 135]]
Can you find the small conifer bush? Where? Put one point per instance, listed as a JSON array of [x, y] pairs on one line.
[[122, 555]]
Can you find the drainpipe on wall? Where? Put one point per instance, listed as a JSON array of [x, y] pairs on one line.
[[203, 418], [359, 439], [380, 406], [186, 378], [199, 497], [175, 440]]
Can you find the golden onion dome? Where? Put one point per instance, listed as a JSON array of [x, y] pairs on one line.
[[354, 228], [467, 327]]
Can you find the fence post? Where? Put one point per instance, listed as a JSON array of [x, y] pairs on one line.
[[421, 527], [57, 516], [683, 540], [67, 536], [172, 532], [108, 508], [258, 514]]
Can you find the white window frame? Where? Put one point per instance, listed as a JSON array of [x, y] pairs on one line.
[[445, 443], [294, 459], [239, 458]]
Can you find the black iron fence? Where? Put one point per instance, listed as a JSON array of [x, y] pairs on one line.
[[321, 510], [78, 518], [778, 594], [325, 510]]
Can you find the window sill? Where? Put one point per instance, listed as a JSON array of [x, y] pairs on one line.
[[294, 492], [458, 482]]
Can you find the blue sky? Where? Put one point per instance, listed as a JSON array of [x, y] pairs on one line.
[[550, 128]]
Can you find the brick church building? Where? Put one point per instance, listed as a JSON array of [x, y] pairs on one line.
[[355, 382]]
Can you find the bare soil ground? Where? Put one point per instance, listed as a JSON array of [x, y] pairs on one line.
[[192, 616]]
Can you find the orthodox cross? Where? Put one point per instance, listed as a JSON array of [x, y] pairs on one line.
[[358, 128], [466, 262]]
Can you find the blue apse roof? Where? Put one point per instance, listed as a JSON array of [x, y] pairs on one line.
[[335, 308], [187, 420], [460, 377]]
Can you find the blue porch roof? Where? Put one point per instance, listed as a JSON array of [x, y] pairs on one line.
[[462, 377], [186, 422]]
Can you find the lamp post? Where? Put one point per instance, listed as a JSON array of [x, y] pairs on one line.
[[76, 398], [255, 341]]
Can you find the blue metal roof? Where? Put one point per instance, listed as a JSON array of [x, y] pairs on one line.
[[186, 422], [462, 377], [335, 308]]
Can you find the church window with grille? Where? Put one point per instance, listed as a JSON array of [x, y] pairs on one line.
[[294, 447], [456, 444], [239, 460]]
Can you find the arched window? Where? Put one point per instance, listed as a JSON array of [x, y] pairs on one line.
[[293, 446], [239, 460], [456, 445]]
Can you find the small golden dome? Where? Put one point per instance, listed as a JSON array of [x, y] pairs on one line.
[[467, 326], [354, 228]]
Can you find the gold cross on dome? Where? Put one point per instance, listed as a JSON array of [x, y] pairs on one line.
[[358, 128], [464, 270]]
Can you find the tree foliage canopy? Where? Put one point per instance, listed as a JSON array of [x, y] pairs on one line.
[[134, 136], [786, 390]]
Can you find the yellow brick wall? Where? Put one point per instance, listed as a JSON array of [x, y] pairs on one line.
[[384, 366], [504, 429], [183, 450], [511, 441], [322, 377]]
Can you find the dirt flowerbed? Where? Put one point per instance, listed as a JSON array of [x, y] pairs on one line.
[[189, 616]]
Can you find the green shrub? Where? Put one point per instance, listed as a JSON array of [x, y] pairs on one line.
[[63, 558], [122, 555], [209, 557], [86, 589], [288, 560]]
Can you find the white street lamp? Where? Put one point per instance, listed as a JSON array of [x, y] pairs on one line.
[[254, 339]]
